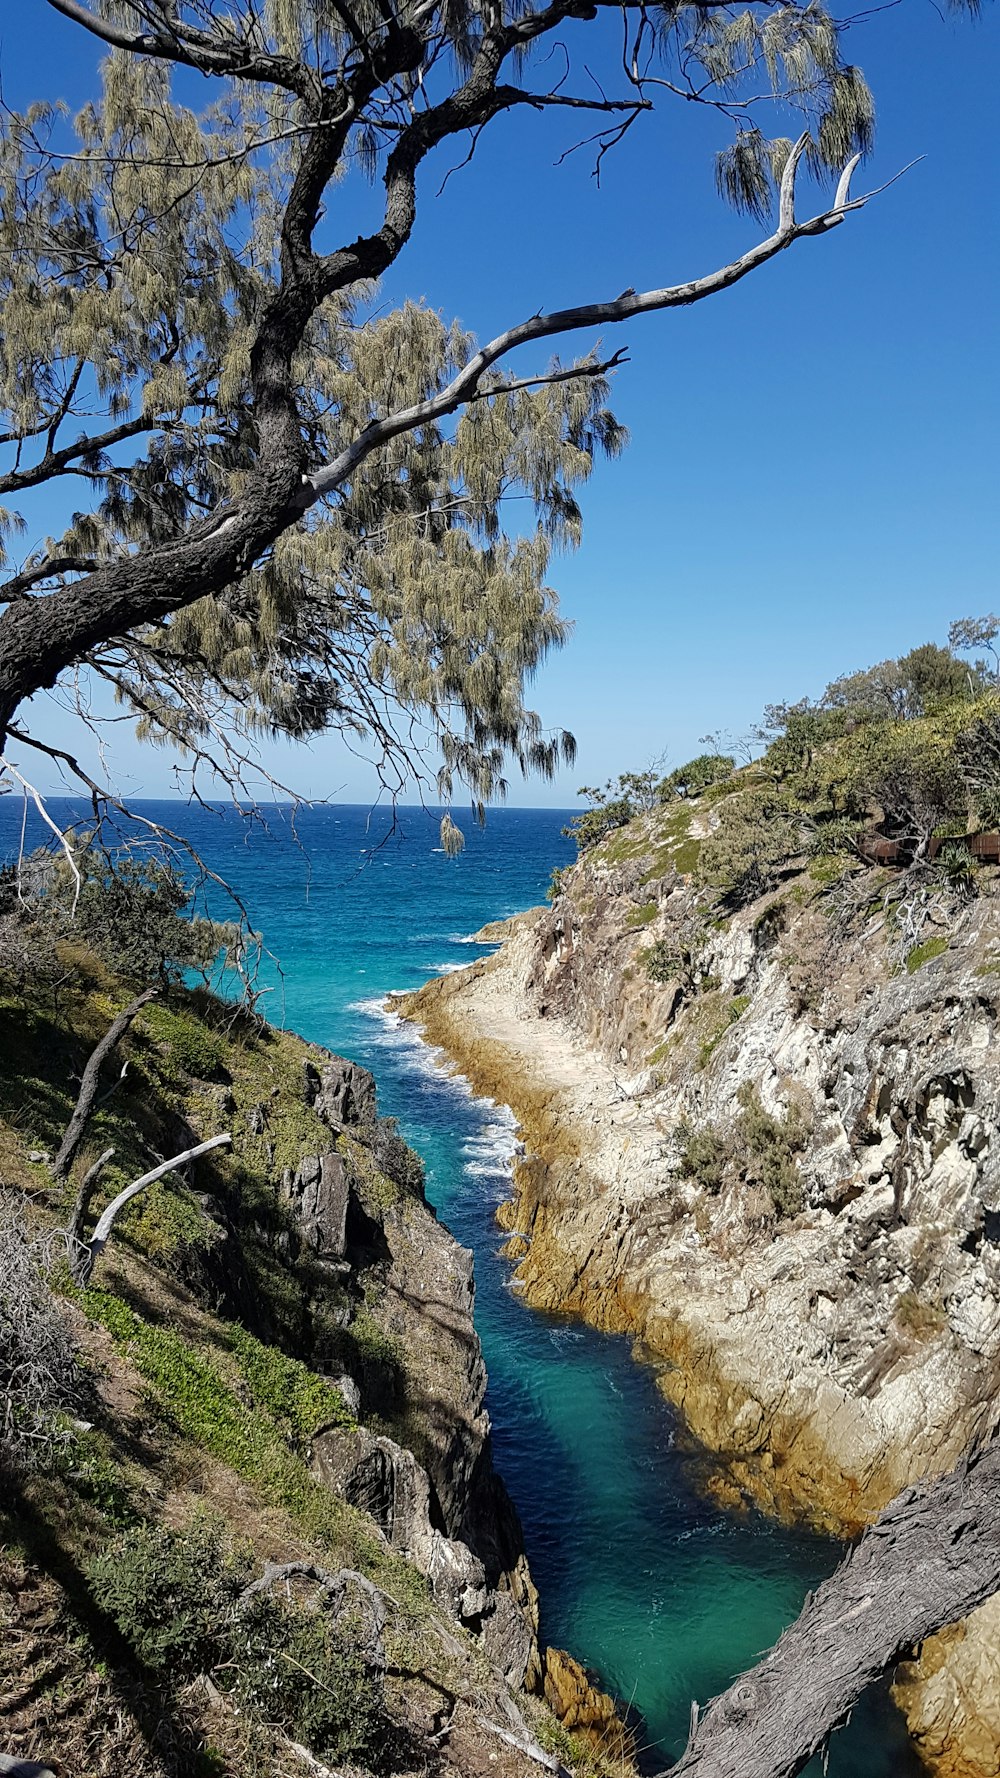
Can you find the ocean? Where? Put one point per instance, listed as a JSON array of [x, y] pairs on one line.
[[645, 1580]]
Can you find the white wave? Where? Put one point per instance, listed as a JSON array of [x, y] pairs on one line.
[[472, 938], [486, 1169], [443, 968]]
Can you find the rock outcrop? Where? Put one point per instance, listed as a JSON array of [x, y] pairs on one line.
[[764, 1145], [382, 1254]]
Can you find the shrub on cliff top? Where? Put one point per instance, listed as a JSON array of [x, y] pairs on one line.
[[754, 836], [697, 775]]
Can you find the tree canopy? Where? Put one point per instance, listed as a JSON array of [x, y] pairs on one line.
[[284, 505]]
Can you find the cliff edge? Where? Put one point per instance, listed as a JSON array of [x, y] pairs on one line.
[[761, 1140]]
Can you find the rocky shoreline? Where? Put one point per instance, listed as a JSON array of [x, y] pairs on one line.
[[826, 1360]]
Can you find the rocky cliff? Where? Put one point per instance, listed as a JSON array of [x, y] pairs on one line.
[[762, 1142], [276, 1452]]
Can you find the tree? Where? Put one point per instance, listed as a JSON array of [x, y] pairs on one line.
[[697, 775], [295, 502], [911, 771], [967, 633]]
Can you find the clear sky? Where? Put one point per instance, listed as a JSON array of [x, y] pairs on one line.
[[811, 482]]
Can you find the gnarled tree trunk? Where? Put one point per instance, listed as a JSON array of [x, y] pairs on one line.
[[928, 1560]]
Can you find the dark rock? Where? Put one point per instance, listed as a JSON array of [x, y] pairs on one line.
[[317, 1194], [341, 1093]]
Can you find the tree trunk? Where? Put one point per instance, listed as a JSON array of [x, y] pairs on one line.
[[91, 1078], [927, 1561]]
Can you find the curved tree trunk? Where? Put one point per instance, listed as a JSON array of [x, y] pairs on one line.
[[91, 1078], [928, 1560]]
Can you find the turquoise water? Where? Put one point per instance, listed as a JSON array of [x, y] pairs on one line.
[[641, 1577]]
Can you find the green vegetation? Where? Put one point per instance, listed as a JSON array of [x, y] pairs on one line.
[[135, 918], [759, 1149], [907, 751], [642, 916], [724, 1017], [698, 775], [925, 953], [703, 1155], [179, 1599]]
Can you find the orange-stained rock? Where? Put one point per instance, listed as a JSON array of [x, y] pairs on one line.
[[585, 1710]]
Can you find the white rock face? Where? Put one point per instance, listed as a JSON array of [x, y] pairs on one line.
[[837, 1348]]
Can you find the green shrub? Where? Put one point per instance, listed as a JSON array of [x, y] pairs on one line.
[[756, 834], [661, 961], [295, 1667], [702, 1154], [170, 1593], [176, 1598], [697, 775], [955, 864], [767, 1147]]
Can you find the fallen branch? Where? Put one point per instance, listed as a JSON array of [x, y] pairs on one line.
[[88, 1252], [89, 1084], [335, 1586], [530, 1749], [927, 1561]]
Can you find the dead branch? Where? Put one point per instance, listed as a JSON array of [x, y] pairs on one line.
[[930, 1558], [87, 1254], [88, 1186], [91, 1078]]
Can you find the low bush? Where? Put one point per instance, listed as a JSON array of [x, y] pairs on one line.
[[702, 1154], [176, 1596], [767, 1146], [41, 1378]]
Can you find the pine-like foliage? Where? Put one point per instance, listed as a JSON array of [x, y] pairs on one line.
[[185, 351]]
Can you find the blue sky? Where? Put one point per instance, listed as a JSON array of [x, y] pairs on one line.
[[811, 482]]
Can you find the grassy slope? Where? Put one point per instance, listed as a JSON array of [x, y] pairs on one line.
[[187, 1330]]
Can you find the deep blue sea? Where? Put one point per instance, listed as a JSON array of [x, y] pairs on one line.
[[659, 1591]]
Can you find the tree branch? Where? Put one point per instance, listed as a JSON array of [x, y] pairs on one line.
[[599, 314], [86, 1258]]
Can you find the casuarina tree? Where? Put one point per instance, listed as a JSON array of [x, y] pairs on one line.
[[284, 503]]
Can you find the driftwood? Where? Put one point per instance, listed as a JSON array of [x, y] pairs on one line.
[[86, 1253], [91, 1078], [927, 1561], [336, 1587]]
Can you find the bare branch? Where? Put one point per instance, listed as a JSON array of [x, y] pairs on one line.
[[91, 1077], [92, 1250], [600, 314]]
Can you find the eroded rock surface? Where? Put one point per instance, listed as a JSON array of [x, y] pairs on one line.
[[825, 1292]]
